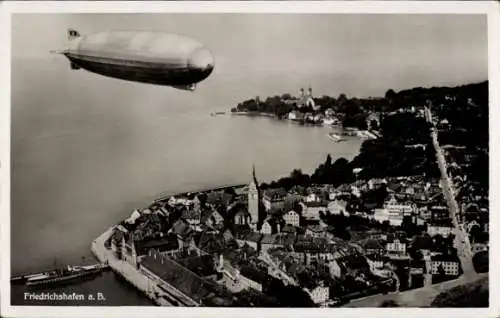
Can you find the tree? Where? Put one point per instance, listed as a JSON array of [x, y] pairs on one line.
[[408, 226], [230, 191], [480, 262], [441, 273], [474, 294], [475, 233], [328, 162], [390, 94], [416, 254]]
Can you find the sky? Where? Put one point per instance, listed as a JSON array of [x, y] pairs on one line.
[[266, 54]]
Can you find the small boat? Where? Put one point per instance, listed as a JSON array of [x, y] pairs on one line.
[[335, 137]]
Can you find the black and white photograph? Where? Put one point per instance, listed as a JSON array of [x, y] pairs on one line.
[[247, 159]]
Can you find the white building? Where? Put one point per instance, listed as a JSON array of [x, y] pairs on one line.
[[336, 207], [320, 294], [292, 218], [450, 266], [375, 262], [393, 206], [310, 210], [253, 200], [441, 229], [266, 228], [396, 247], [395, 218], [313, 197]]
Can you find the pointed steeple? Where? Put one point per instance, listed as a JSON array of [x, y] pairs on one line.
[[253, 199], [254, 178]]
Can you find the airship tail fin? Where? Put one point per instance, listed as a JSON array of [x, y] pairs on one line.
[[73, 34], [74, 66]]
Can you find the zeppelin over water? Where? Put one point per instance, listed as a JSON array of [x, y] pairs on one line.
[[153, 57]]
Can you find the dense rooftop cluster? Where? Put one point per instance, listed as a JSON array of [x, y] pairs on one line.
[[378, 223]]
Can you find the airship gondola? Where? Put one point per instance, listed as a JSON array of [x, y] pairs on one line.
[[152, 57]]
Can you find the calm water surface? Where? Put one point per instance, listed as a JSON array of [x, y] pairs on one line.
[[87, 150]]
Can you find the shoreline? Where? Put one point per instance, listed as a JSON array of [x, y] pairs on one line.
[[141, 282], [260, 114]]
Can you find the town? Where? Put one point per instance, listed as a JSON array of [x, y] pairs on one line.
[[409, 212]]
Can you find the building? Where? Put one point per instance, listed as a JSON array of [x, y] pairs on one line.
[[310, 210], [211, 217], [423, 243], [253, 278], [320, 294], [313, 197], [253, 200], [375, 261], [305, 100], [352, 263], [439, 213], [184, 233], [292, 218], [443, 228], [394, 207], [396, 247], [470, 225], [449, 264], [271, 226], [274, 199], [192, 216], [252, 239], [315, 231], [243, 217], [190, 289], [479, 247], [372, 246], [394, 217], [336, 207]]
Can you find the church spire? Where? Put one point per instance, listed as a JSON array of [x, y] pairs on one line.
[[254, 178]]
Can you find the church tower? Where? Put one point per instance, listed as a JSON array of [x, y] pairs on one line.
[[301, 93], [310, 92], [253, 200]]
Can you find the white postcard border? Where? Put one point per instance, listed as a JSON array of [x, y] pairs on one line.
[[490, 8]]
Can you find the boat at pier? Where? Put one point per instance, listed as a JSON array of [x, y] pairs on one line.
[[67, 274]]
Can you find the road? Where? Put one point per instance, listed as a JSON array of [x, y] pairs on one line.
[[130, 273], [461, 241], [422, 297]]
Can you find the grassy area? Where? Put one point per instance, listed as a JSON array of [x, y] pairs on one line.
[[474, 294]]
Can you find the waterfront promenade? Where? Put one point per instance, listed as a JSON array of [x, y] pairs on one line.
[[127, 271]]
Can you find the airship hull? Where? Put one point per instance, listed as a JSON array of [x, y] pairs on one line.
[[137, 71], [142, 56]]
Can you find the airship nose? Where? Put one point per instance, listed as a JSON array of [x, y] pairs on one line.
[[201, 60]]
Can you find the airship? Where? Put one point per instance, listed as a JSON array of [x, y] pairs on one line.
[[153, 57]]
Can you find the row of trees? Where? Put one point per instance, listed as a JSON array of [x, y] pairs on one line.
[[405, 148]]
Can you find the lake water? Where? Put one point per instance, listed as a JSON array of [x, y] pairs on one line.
[[87, 150]]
